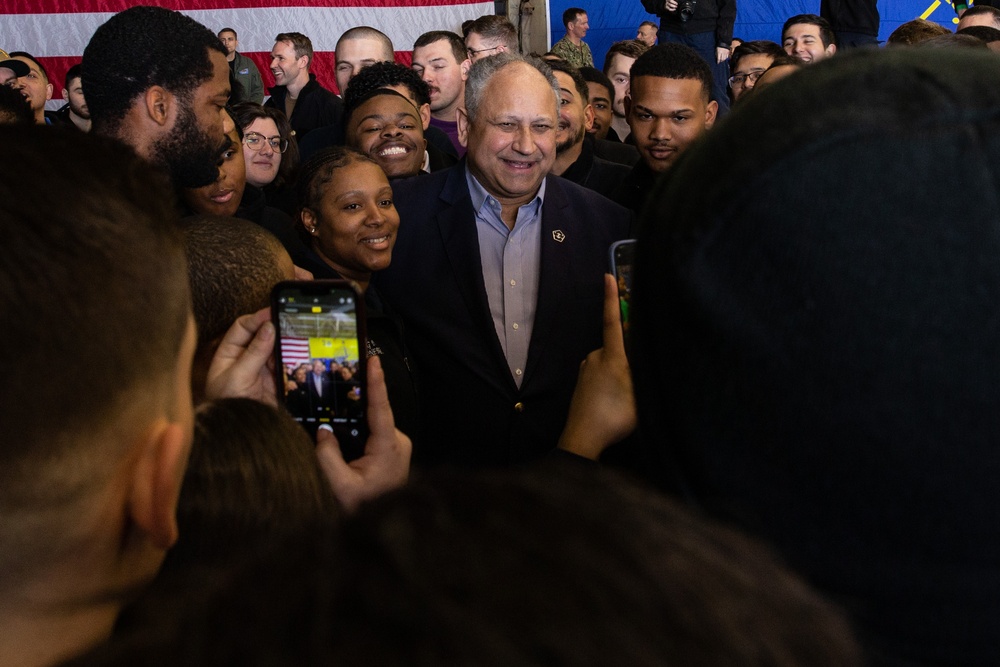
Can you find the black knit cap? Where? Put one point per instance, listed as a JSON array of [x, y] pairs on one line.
[[817, 338]]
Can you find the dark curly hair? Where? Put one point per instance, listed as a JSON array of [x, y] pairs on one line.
[[173, 54], [383, 75]]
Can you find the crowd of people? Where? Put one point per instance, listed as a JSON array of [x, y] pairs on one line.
[[790, 463]]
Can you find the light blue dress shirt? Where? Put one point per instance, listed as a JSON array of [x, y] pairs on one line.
[[511, 262]]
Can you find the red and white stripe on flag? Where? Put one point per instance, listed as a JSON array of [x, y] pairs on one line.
[[57, 31], [294, 351]]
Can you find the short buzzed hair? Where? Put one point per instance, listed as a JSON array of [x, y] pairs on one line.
[[302, 45], [674, 61], [630, 48], [367, 32], [456, 43], [228, 30], [495, 28], [232, 266], [174, 54], [94, 281]]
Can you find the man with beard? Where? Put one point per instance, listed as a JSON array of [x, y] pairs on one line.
[[164, 95], [75, 112], [575, 159]]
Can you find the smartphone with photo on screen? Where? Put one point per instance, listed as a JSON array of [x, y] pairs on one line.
[[320, 358]]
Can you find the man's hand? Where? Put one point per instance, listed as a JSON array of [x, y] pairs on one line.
[[670, 5], [385, 464], [602, 411], [242, 366], [721, 54]]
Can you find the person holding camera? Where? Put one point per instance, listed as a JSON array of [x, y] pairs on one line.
[[707, 27]]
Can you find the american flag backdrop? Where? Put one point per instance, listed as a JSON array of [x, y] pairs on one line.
[[56, 31], [294, 351]]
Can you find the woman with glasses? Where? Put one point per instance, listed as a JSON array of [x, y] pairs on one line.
[[270, 152], [271, 155]]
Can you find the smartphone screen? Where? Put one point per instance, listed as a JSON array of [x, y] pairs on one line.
[[622, 260], [320, 358]]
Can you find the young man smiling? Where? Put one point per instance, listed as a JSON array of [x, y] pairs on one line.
[[808, 37]]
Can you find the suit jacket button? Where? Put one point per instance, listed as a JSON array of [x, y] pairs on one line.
[[519, 407]]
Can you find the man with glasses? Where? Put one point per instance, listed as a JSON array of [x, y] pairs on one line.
[[750, 60], [489, 35]]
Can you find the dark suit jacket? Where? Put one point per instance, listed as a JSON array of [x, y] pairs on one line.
[[472, 411], [316, 107]]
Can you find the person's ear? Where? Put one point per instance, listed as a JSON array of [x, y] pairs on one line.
[[711, 111], [466, 65], [156, 482], [48, 91], [157, 104], [425, 115], [588, 115], [831, 50], [65, 94], [462, 120], [309, 220]]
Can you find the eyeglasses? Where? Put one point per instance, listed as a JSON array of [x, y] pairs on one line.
[[255, 141], [740, 79], [472, 52]]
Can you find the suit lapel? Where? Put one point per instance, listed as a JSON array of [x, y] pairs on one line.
[[554, 269]]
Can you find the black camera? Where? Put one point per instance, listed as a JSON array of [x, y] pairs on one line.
[[687, 9]]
